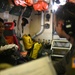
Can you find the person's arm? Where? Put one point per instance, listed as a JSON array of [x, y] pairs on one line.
[[60, 66]]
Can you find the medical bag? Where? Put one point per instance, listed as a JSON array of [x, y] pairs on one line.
[[34, 53], [27, 41]]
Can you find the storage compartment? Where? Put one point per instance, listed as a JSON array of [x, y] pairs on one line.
[[60, 47]]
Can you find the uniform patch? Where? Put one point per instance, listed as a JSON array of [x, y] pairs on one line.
[[73, 62]]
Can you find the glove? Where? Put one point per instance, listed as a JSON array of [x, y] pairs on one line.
[[10, 46]]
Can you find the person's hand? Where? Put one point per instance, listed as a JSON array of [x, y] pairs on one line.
[[10, 46]]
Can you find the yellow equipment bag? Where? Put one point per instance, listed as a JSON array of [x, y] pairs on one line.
[[36, 48], [27, 41]]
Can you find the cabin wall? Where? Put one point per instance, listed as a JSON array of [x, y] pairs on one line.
[[35, 27], [10, 18]]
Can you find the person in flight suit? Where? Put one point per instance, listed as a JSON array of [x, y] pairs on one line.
[[65, 28], [6, 59]]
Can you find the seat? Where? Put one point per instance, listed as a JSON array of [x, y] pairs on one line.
[[9, 34]]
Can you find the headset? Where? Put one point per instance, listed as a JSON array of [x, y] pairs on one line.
[[69, 27]]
